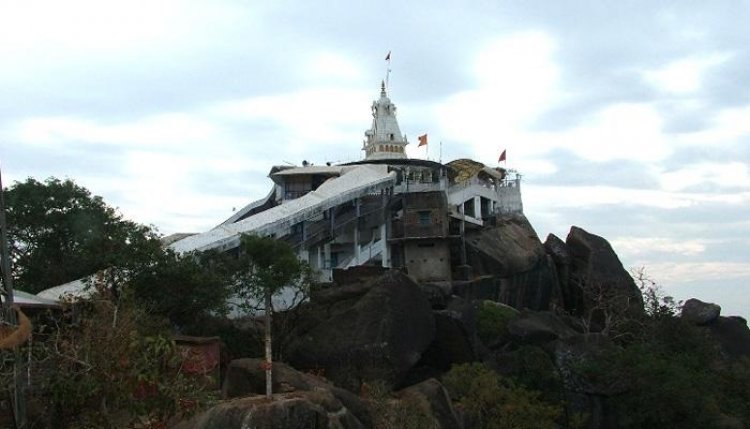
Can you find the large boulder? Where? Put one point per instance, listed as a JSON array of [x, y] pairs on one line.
[[378, 335], [453, 344], [560, 254], [598, 275], [247, 377], [732, 334], [298, 410], [698, 312], [510, 247], [434, 400], [512, 252], [539, 328]]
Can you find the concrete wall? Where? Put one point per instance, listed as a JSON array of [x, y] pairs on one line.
[[510, 199], [428, 260]]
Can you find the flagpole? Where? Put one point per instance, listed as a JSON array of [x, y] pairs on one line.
[[388, 71], [440, 156]]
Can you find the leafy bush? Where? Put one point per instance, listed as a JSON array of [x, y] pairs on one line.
[[392, 413], [492, 322], [109, 364], [495, 403]]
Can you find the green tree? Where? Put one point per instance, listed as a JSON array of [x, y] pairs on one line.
[[185, 289], [59, 232], [265, 267]]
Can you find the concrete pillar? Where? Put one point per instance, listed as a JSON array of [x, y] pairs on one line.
[[384, 239], [356, 231], [478, 207], [327, 255]]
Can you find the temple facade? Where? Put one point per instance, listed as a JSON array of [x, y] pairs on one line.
[[386, 210]]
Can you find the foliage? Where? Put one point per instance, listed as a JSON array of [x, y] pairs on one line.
[[59, 232], [534, 369], [109, 364], [492, 322], [656, 303], [497, 403], [185, 289], [266, 265], [392, 413]]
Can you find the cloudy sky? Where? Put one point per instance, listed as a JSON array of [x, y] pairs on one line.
[[630, 119]]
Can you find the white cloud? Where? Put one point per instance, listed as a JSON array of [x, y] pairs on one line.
[[631, 247], [729, 175], [163, 130], [549, 197], [683, 76], [682, 272], [516, 79], [629, 131]]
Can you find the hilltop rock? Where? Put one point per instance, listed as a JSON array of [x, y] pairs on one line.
[[246, 377], [298, 410], [560, 254], [508, 248], [732, 334], [375, 332], [434, 399], [512, 253], [538, 328], [700, 313], [594, 269]]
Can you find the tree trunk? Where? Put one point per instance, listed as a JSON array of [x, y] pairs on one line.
[[269, 381]]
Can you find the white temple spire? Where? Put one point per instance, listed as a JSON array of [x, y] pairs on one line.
[[384, 140]]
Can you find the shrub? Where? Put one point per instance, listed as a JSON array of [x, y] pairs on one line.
[[492, 322], [495, 403], [392, 413]]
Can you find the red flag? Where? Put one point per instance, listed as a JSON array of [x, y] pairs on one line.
[[502, 156], [388, 57], [422, 140]]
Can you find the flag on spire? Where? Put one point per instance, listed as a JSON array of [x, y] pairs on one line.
[[502, 156], [388, 57], [422, 140]]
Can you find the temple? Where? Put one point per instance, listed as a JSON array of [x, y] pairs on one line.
[[385, 210]]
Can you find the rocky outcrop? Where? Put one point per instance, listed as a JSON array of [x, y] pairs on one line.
[[698, 312], [298, 410], [246, 377], [538, 328], [560, 254], [375, 331], [512, 253], [597, 274], [434, 399], [510, 247], [453, 343], [732, 334]]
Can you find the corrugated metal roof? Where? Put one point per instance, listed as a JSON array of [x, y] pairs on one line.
[[353, 181]]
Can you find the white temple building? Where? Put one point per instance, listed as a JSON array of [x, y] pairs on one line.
[[385, 210]]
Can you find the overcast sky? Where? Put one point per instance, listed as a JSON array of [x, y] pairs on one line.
[[630, 119]]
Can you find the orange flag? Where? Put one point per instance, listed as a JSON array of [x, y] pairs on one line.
[[422, 140]]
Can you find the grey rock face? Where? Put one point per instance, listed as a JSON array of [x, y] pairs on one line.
[[594, 265], [436, 401], [700, 313], [246, 377], [299, 410], [378, 335]]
